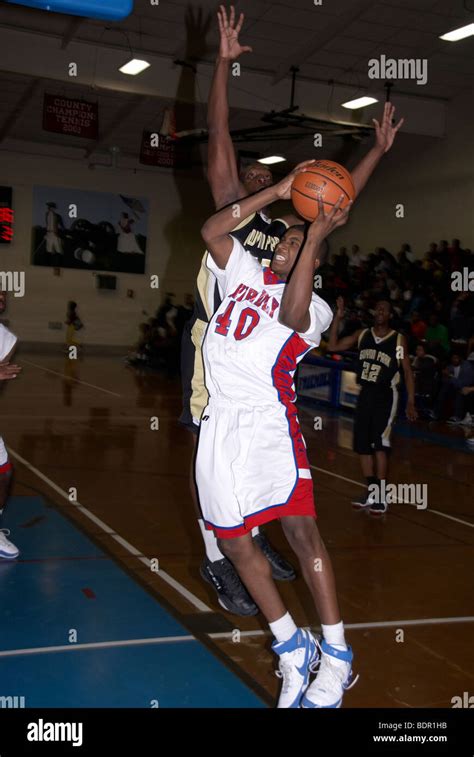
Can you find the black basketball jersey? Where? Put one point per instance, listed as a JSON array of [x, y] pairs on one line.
[[259, 235], [379, 359]]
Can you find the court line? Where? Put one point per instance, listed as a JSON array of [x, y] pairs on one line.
[[96, 645], [358, 483], [360, 626], [223, 635], [195, 601], [70, 378]]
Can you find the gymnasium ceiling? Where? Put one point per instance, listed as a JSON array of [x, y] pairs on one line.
[[329, 43]]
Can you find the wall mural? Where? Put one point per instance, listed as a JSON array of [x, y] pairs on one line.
[[75, 228]]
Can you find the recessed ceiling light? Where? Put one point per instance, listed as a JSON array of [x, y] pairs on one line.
[[134, 67], [457, 34], [272, 159], [359, 102]]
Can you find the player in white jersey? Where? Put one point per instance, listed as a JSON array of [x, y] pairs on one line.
[[8, 551], [267, 321]]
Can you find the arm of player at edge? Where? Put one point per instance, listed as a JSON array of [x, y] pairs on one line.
[[222, 172], [409, 381], [384, 135], [217, 229], [347, 342], [297, 296]]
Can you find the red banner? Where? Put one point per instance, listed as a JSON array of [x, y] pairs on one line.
[[6, 215], [157, 150], [68, 116]]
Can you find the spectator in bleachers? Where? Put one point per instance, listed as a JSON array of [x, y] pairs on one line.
[[457, 375], [437, 337], [425, 371]]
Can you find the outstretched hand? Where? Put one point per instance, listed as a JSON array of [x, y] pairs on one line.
[[283, 188], [230, 47], [325, 223], [8, 371], [385, 132]]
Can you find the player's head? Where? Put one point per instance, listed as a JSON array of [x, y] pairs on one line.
[[255, 176], [382, 312], [288, 248]]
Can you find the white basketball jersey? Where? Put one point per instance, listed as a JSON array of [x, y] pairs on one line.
[[249, 356]]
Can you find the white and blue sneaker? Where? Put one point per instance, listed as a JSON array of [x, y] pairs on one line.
[[8, 551], [296, 656], [334, 677]]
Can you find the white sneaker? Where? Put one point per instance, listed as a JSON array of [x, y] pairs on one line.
[[296, 656], [7, 550], [334, 677], [467, 420]]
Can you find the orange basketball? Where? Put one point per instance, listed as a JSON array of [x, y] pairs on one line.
[[325, 179]]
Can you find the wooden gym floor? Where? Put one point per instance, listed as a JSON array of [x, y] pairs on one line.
[[85, 425]]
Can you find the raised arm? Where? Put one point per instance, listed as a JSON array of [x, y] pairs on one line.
[[294, 309], [222, 170], [347, 342], [384, 136]]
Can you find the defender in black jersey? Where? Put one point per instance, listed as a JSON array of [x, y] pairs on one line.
[[228, 185], [383, 353]]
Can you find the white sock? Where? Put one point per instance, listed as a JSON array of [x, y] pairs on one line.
[[334, 635], [210, 543], [255, 531], [283, 628]]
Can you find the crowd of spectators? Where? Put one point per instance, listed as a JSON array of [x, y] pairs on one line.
[[428, 307], [159, 341]]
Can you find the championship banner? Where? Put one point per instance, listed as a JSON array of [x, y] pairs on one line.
[[160, 147], [6, 215], [66, 115], [157, 150]]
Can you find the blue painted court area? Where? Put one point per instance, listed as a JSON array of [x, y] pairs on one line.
[[61, 582]]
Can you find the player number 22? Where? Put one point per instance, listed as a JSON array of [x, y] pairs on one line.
[[248, 319], [370, 372]]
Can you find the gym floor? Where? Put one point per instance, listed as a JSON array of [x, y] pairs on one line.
[[106, 605]]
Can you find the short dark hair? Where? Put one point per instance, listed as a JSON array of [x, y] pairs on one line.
[[384, 299], [323, 247]]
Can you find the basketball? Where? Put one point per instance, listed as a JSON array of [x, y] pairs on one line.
[[325, 179]]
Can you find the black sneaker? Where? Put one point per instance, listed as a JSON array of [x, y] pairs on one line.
[[364, 500], [231, 593], [282, 570], [378, 508]]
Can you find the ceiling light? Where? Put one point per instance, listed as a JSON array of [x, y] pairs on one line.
[[457, 34], [271, 160], [134, 67], [359, 102]]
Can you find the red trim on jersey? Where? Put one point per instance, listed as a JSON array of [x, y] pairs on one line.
[[300, 503], [6, 467], [283, 382], [269, 277]]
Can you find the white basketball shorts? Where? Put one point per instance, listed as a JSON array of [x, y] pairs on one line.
[[251, 467]]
